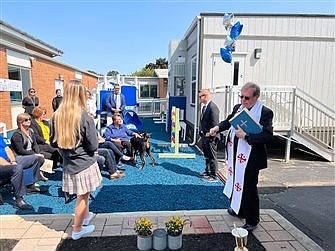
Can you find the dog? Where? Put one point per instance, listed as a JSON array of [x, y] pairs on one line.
[[141, 146]]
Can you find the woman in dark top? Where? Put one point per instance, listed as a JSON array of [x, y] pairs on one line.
[[30, 101], [23, 142], [73, 132], [57, 100]]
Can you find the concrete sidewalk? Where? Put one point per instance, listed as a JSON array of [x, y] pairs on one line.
[[45, 232]]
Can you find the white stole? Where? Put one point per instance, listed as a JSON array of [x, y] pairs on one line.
[[235, 180]]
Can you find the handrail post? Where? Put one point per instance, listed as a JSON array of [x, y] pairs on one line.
[[289, 139]]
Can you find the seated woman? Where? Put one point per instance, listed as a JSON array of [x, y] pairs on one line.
[[41, 129], [23, 142], [119, 134]]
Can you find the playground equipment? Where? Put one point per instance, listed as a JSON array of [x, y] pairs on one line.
[[132, 121], [175, 127]]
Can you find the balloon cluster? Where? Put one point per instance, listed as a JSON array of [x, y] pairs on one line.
[[235, 30]]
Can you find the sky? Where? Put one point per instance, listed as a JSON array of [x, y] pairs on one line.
[[125, 35]]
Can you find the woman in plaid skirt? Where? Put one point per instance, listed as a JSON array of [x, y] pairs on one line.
[[73, 132]]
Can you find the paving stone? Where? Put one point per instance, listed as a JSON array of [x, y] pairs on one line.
[[127, 231], [52, 233], [9, 224], [262, 236], [271, 226], [99, 223], [26, 244], [266, 217], [114, 221], [49, 241], [214, 218], [12, 233], [60, 224], [200, 222], [220, 227], [112, 230], [46, 248], [35, 232], [96, 233], [281, 235], [206, 230], [282, 245], [297, 245]]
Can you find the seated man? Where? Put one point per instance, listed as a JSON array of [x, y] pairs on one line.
[[109, 162], [119, 134], [11, 168]]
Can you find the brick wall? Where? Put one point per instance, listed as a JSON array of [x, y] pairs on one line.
[[5, 114], [43, 76], [44, 73]]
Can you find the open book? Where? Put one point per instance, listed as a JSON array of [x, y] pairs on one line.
[[246, 121]]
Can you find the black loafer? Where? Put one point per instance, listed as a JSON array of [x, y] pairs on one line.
[[249, 227], [231, 212], [21, 204]]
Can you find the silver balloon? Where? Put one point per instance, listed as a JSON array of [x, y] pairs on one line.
[[228, 20], [229, 41]]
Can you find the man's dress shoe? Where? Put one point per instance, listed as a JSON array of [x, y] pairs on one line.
[[21, 204], [249, 227]]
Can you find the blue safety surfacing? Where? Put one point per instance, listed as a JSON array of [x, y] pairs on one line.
[[172, 184]]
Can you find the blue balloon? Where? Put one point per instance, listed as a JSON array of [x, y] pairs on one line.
[[236, 30], [226, 54]]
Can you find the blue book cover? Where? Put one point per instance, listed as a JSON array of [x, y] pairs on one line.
[[246, 121]]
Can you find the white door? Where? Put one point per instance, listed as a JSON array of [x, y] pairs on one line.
[[225, 74]]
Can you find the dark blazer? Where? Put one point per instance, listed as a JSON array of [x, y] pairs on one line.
[[29, 104], [110, 103], [209, 119], [19, 143], [258, 155]]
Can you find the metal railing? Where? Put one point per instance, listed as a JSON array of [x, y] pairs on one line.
[[294, 112], [151, 107]]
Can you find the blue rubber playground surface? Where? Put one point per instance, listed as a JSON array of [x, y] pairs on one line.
[[172, 184]]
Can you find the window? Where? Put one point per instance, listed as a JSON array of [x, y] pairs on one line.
[[19, 73], [148, 91], [193, 79]]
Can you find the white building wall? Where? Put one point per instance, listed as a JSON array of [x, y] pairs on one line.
[[296, 50]]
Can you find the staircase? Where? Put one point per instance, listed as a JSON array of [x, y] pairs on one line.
[[298, 117]]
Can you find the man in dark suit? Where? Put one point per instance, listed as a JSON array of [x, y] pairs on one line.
[[209, 118], [116, 103], [246, 152]]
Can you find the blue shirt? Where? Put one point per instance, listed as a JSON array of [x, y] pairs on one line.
[[3, 146], [122, 133]]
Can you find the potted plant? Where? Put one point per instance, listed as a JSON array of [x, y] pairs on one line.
[[143, 229], [174, 228]]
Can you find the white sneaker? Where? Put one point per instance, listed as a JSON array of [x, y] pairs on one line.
[[87, 221], [84, 231]]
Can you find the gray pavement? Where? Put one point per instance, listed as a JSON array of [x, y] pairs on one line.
[[303, 192]]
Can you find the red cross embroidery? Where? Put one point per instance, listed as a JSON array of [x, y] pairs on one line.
[[230, 142], [230, 171], [238, 187], [241, 157]]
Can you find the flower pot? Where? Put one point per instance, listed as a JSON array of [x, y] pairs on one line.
[[144, 242], [159, 239], [175, 242]]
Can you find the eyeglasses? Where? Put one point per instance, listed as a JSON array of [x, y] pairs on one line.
[[26, 120], [32, 91], [245, 97]]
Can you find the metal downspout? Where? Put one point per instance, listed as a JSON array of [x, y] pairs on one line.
[[195, 131], [289, 139]]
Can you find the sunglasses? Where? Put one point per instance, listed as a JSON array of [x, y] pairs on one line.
[[26, 120], [245, 97], [32, 91]]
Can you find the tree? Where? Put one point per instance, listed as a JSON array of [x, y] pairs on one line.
[[145, 72], [112, 73]]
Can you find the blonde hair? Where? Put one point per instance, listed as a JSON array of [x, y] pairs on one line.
[[68, 116], [21, 118]]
